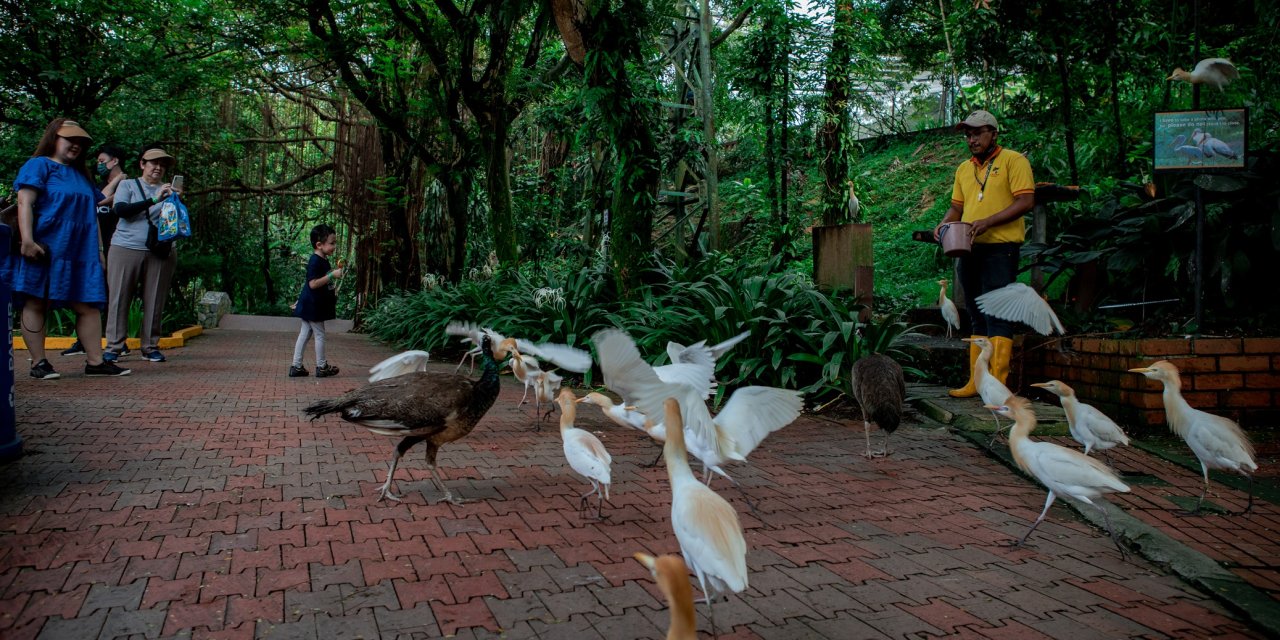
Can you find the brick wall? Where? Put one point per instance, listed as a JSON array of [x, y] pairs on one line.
[[1235, 377]]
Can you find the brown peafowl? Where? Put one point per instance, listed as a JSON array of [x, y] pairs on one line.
[[422, 406], [879, 388]]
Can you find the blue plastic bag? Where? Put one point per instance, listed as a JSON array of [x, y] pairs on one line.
[[174, 221]]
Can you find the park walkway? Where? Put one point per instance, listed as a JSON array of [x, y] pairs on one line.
[[192, 499]]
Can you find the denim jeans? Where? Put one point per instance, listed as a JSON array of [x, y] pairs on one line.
[[988, 268]]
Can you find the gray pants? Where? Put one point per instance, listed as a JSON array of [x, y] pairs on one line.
[[125, 269], [308, 329]]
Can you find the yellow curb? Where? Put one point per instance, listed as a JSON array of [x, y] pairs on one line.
[[177, 339]]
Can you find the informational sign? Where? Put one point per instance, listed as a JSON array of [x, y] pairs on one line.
[[1211, 140]]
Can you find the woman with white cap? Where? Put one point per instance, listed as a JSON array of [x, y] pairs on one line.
[[129, 261], [57, 264]]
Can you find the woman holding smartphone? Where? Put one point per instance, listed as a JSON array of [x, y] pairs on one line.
[[131, 264]]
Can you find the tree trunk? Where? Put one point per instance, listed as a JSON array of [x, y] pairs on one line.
[[457, 189], [498, 182], [835, 118], [783, 238], [1069, 137], [397, 264], [707, 81]]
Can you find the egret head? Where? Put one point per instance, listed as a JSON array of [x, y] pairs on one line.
[[598, 399], [1056, 387], [1164, 371], [1179, 74]]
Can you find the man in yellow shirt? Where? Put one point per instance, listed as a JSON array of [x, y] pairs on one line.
[[992, 191]]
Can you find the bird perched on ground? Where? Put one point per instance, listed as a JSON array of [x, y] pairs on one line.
[[1089, 426], [1215, 72], [673, 580], [750, 414], [399, 364], [1017, 302], [950, 315], [706, 525], [585, 453], [1064, 472], [990, 389], [423, 406], [1218, 442], [879, 388]]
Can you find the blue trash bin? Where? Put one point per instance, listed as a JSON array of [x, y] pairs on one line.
[[10, 442]]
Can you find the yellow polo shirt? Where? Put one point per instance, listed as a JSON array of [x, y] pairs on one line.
[[983, 190]]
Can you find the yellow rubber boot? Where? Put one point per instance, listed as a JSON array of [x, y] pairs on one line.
[[970, 388], [1002, 352]]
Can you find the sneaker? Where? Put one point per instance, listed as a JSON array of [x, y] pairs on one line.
[[153, 356], [326, 371], [44, 371], [298, 372], [76, 349], [125, 351], [105, 369], [110, 356]]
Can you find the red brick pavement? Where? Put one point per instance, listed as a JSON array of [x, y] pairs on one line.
[[193, 500]]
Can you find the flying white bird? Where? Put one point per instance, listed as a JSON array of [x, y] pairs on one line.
[[680, 353], [1218, 442], [1215, 72], [1017, 302], [398, 365], [563, 356]]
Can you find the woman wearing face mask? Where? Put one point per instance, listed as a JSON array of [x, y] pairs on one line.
[[110, 174], [138, 202], [57, 264]]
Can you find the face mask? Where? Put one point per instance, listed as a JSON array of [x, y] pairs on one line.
[[102, 169]]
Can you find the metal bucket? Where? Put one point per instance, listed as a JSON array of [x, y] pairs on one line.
[[955, 240]]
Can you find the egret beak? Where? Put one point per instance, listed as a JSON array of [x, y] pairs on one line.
[[992, 407], [647, 560], [1042, 385], [631, 408], [966, 339], [1141, 370]]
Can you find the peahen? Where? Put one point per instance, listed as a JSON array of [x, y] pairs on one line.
[[422, 406], [880, 389]]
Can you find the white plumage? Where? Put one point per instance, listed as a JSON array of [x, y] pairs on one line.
[[1218, 442], [950, 315], [398, 365], [584, 452], [706, 525], [678, 352], [1215, 72], [1017, 302], [1089, 426], [619, 414], [750, 414], [1063, 471], [563, 356]]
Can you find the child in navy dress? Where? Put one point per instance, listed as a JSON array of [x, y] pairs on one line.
[[318, 302]]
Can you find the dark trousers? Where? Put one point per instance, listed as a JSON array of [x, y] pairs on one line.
[[988, 268]]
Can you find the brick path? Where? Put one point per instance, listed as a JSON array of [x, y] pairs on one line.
[[192, 500]]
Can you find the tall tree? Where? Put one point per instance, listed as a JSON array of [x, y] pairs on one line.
[[834, 131]]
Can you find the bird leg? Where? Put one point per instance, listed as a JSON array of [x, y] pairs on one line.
[[1111, 530], [995, 437], [385, 491], [1200, 502], [655, 460], [706, 597], [1249, 507], [448, 495], [583, 503], [1048, 502]]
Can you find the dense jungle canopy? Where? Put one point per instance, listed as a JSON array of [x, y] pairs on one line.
[[451, 141]]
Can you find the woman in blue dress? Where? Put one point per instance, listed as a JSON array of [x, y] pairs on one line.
[[59, 263]]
